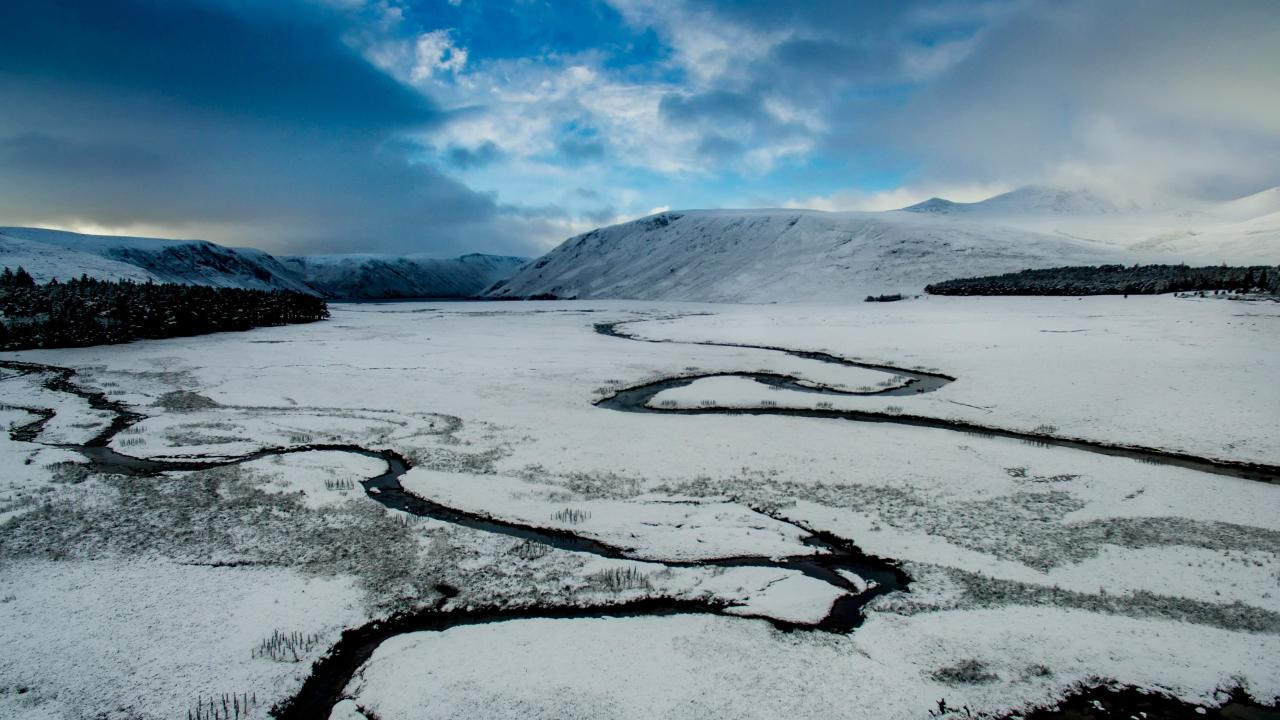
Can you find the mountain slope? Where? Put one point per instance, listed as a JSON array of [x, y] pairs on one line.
[[1235, 231], [387, 276], [52, 262], [786, 255], [194, 262], [50, 254], [1030, 200]]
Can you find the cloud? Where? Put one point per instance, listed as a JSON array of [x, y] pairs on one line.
[[1173, 95], [434, 53], [481, 155], [895, 198], [416, 125], [250, 124]]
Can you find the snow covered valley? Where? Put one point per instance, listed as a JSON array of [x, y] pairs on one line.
[[642, 509]]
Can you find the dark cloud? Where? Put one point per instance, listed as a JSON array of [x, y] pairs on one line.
[[600, 216], [730, 122], [40, 154], [714, 106], [252, 121], [579, 150], [580, 143], [281, 60], [466, 158], [719, 147], [1164, 94]]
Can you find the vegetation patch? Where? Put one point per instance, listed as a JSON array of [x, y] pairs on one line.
[[83, 312], [1116, 280]]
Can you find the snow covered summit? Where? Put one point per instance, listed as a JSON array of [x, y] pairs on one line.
[[194, 262], [1241, 231], [1030, 200], [50, 254], [787, 256]]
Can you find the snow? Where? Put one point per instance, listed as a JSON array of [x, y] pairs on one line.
[[146, 638], [322, 478], [1166, 228], [787, 255], [759, 256], [656, 528], [49, 254], [1023, 362], [697, 666], [52, 262], [196, 262], [1173, 575], [794, 598], [410, 276]]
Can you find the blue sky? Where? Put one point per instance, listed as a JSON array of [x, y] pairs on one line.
[[449, 126]]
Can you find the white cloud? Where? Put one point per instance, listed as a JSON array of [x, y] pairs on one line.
[[435, 52]]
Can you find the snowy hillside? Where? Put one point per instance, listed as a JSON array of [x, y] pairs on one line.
[[195, 262], [1030, 200], [787, 255], [49, 254], [52, 262], [389, 276], [1241, 231]]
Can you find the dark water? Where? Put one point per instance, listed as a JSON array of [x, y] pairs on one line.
[[636, 399], [333, 672]]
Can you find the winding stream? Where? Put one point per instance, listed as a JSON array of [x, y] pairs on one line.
[[637, 399], [331, 674]]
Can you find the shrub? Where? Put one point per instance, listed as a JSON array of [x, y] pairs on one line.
[[571, 516]]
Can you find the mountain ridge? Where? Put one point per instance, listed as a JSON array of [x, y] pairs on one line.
[[57, 254]]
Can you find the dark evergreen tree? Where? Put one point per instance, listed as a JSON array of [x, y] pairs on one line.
[[1115, 280], [93, 312]]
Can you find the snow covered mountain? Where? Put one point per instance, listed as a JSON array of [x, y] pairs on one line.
[[49, 262], [389, 276], [50, 254], [1241, 231], [788, 255], [195, 262], [1030, 200]]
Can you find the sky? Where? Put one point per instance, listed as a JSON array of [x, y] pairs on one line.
[[450, 126]]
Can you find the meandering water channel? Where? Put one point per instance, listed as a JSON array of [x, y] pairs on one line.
[[833, 555]]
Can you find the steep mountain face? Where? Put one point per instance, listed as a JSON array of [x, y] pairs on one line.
[[385, 276], [786, 255], [194, 262]]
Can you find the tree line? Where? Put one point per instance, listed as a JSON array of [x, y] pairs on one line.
[[88, 311], [1116, 280]]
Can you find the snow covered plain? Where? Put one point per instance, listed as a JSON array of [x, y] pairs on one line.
[[1031, 568]]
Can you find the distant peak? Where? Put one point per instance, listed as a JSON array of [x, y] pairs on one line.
[[933, 205], [1050, 200]]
